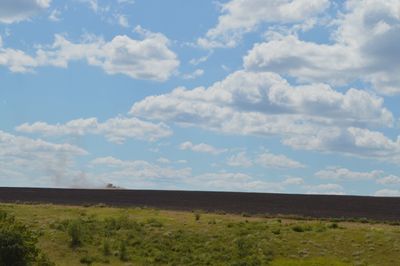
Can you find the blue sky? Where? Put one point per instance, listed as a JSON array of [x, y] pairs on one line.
[[288, 96]]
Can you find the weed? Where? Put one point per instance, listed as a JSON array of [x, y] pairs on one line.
[[276, 231], [75, 233], [123, 254], [106, 248], [333, 226], [154, 222], [87, 260], [300, 228], [197, 216]]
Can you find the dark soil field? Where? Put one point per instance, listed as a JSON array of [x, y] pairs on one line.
[[317, 206]]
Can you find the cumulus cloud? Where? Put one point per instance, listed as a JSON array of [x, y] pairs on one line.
[[265, 96], [239, 160], [332, 189], [243, 16], [116, 130], [231, 181], [270, 160], [389, 180], [138, 173], [12, 11], [24, 160], [143, 174], [55, 15], [195, 74], [163, 160], [360, 142], [201, 147], [265, 159], [310, 117], [387, 193], [123, 21], [293, 181], [339, 173], [365, 47], [149, 58]]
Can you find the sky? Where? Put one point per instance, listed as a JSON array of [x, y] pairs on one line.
[[283, 96]]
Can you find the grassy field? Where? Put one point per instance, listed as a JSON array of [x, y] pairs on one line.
[[100, 235]]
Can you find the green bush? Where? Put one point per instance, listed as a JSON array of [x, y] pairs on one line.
[[123, 254], [154, 222], [87, 260], [106, 248], [333, 226], [299, 228], [276, 231], [43, 260], [17, 243], [75, 233]]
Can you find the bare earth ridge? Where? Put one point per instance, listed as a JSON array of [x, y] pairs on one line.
[[318, 206]]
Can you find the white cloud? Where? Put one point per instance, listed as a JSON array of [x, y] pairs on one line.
[[198, 61], [143, 174], [243, 16], [163, 160], [293, 181], [11, 145], [270, 160], [55, 15], [365, 47], [95, 7], [116, 130], [332, 189], [312, 117], [265, 96], [12, 11], [195, 74], [338, 173], [130, 2], [123, 21], [227, 181], [351, 141], [240, 160], [388, 193], [34, 161], [138, 173], [139, 168], [389, 180], [201, 147], [149, 58]]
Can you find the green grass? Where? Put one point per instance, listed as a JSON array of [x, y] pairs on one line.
[[140, 236]]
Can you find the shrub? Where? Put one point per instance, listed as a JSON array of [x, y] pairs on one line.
[[86, 260], [154, 222], [299, 228], [106, 248], [17, 243], [3, 215], [276, 231], [212, 221], [75, 233], [43, 260], [123, 254], [197, 216], [333, 226]]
